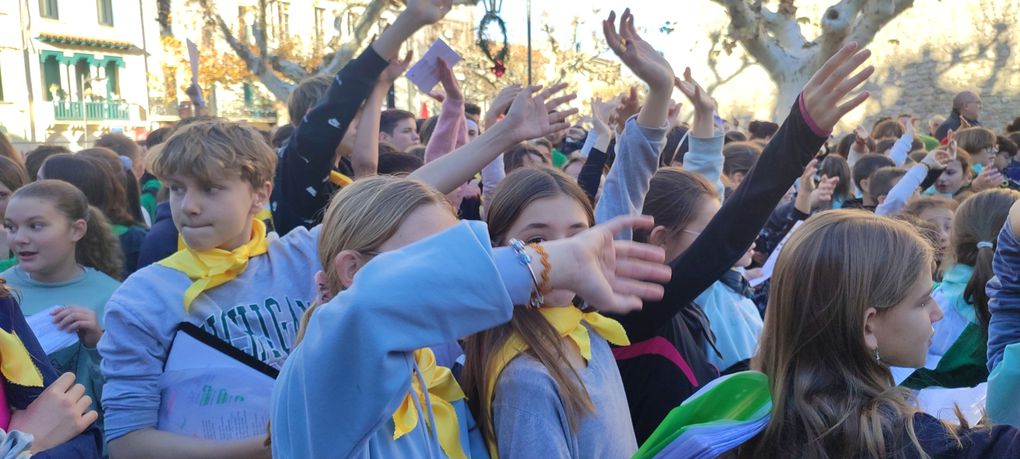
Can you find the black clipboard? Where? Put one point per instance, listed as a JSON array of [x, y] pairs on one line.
[[217, 344]]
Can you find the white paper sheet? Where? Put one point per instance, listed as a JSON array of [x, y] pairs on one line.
[[208, 394], [770, 264], [425, 73], [50, 337]]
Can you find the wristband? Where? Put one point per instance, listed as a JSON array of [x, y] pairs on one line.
[[522, 255]]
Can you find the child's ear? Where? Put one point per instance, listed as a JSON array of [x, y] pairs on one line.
[[346, 264], [78, 229], [659, 236], [865, 185], [262, 194], [870, 328]]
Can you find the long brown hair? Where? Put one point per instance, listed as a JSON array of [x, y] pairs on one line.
[[979, 219], [839, 264], [673, 199], [518, 190], [98, 248]]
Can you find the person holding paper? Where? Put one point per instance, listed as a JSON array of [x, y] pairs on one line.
[[34, 400], [311, 168], [66, 254]]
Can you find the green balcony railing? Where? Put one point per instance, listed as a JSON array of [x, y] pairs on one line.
[[76, 110]]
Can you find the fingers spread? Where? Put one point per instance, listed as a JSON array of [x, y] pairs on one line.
[[639, 251], [632, 268]]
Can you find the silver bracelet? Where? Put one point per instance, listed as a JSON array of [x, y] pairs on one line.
[[525, 259]]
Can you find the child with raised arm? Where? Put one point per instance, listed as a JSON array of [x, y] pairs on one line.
[[359, 384], [304, 176]]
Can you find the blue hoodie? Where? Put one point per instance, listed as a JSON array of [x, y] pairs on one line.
[[338, 390]]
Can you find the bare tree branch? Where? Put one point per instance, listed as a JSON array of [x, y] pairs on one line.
[[746, 26], [289, 69], [256, 64], [877, 14], [837, 22], [260, 36], [784, 28], [346, 52]]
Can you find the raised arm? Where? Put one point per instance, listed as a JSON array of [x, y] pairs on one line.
[[365, 157], [727, 237], [705, 155], [898, 196], [451, 118], [531, 116], [309, 156], [599, 138], [639, 146]]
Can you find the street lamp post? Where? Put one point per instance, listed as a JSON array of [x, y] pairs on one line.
[[84, 109]]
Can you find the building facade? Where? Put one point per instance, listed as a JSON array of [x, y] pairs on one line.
[[72, 69]]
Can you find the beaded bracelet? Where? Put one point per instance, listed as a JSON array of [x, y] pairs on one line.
[[525, 259], [546, 267]]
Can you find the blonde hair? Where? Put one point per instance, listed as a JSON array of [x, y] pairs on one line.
[[361, 217], [207, 150], [825, 279]]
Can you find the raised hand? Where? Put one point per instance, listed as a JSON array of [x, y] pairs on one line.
[[807, 186], [600, 115], [822, 194], [425, 12], [532, 116], [704, 105], [630, 105], [59, 414], [500, 104], [393, 71], [937, 159], [636, 53], [989, 178], [613, 276], [674, 113], [825, 95], [451, 89], [699, 97]]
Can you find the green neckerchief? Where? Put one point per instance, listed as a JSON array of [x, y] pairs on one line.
[[965, 363], [119, 230]]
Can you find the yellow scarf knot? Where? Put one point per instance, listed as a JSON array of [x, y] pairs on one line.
[[442, 389], [16, 363], [339, 179], [212, 268], [567, 322]]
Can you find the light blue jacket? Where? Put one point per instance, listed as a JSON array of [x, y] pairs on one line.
[[735, 322], [337, 392]]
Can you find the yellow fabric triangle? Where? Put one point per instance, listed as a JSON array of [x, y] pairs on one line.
[[443, 389], [567, 322], [339, 179], [16, 363], [215, 267]]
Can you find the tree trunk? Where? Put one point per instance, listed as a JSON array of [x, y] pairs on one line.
[[789, 83]]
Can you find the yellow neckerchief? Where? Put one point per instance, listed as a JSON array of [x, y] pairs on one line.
[[215, 267], [567, 322], [339, 179], [443, 389], [16, 363]]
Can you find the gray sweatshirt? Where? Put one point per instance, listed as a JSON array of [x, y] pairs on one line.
[[531, 420], [258, 312]]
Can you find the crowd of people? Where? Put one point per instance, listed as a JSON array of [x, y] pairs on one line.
[[531, 281]]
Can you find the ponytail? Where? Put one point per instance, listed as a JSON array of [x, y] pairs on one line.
[[975, 227], [99, 248]]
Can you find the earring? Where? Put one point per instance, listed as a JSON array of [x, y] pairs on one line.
[[878, 357]]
